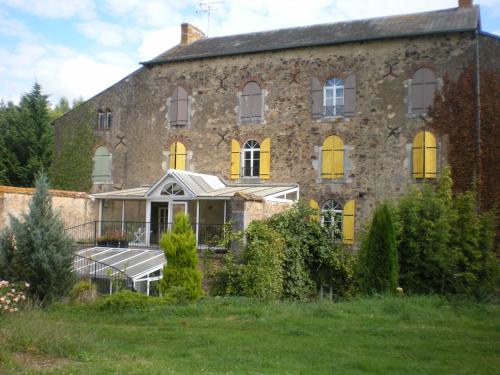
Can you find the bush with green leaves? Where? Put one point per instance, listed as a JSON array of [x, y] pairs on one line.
[[378, 260], [35, 249], [181, 269], [262, 270]]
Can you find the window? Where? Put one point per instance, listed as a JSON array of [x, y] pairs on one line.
[[179, 107], [109, 119], [102, 166], [177, 156], [331, 218], [333, 97], [423, 90], [424, 155], [250, 162], [332, 158], [251, 103], [172, 189], [337, 219], [101, 120]]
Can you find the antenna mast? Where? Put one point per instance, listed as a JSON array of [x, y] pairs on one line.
[[206, 7]]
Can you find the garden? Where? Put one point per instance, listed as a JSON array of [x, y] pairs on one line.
[[420, 296]]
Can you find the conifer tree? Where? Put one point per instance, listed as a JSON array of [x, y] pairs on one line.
[[37, 250], [378, 260], [181, 269]]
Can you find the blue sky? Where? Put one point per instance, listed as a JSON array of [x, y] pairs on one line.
[[79, 47]]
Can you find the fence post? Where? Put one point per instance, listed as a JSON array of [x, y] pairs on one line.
[[95, 233]]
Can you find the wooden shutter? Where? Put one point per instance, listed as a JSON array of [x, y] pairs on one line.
[[314, 205], [177, 156], [423, 90], [316, 99], [172, 113], [265, 159], [332, 158], [418, 156], [430, 159], [182, 106], [102, 165], [235, 159], [251, 102], [350, 96], [348, 222]]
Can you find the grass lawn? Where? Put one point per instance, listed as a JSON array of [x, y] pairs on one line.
[[418, 335]]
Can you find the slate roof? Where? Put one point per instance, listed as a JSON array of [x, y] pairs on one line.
[[434, 22]]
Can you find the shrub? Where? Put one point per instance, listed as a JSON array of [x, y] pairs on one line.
[[37, 250], [12, 296], [181, 269], [125, 300], [378, 262], [262, 271], [83, 291]]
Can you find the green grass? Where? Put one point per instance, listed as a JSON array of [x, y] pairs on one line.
[[417, 335]]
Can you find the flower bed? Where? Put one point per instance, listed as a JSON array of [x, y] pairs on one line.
[[12, 295]]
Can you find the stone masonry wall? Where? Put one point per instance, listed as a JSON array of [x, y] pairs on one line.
[[75, 208], [378, 139]]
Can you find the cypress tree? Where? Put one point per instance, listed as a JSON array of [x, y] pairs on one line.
[[181, 269], [37, 250], [378, 261]]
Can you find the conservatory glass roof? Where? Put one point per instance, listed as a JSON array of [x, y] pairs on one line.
[[135, 263]]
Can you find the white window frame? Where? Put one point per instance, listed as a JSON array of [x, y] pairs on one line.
[[101, 120], [252, 149], [333, 84], [337, 210]]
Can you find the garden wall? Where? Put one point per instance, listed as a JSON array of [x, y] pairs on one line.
[[75, 207]]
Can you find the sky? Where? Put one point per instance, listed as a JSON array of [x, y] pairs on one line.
[[78, 48]]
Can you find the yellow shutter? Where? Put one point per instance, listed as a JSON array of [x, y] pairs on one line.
[[314, 205], [348, 222], [418, 156], [235, 159], [265, 159], [338, 157], [430, 159], [171, 157], [332, 158]]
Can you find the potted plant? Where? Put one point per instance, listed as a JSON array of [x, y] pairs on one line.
[[113, 239]]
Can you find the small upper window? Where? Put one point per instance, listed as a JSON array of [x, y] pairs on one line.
[[333, 97], [177, 156], [109, 119], [251, 159], [423, 90], [172, 189], [251, 103], [101, 120], [179, 107]]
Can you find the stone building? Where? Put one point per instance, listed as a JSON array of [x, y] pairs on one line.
[[345, 111]]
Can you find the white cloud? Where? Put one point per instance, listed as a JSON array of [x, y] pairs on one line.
[[108, 34], [55, 8], [158, 41]]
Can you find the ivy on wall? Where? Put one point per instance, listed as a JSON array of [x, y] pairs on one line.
[[72, 164]]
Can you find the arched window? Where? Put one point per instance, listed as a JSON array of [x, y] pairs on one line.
[[250, 162], [251, 103], [102, 166], [333, 97], [423, 90], [424, 155], [332, 158], [172, 189], [331, 217], [179, 108], [177, 156], [101, 120], [109, 119]]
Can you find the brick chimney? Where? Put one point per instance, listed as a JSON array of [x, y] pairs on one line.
[[190, 34], [465, 3]]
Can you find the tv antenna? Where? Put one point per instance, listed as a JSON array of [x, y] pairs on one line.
[[206, 7]]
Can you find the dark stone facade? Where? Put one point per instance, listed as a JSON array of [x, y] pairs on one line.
[[377, 139]]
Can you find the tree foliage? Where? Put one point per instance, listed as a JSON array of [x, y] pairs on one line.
[[25, 138], [35, 248], [378, 259], [181, 270]]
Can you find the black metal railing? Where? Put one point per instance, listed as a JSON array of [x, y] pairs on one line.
[[106, 278], [333, 110], [123, 234]]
